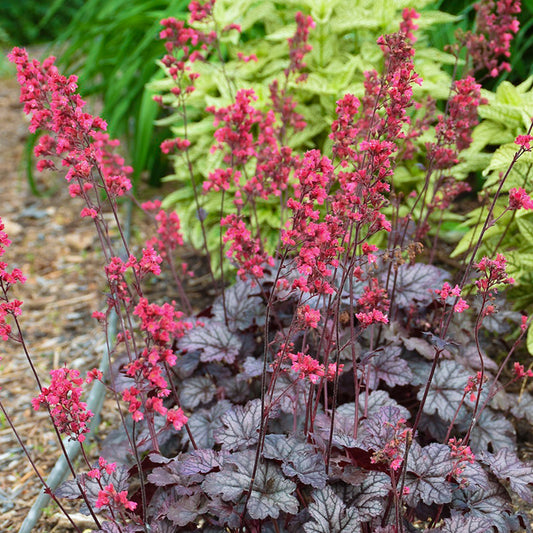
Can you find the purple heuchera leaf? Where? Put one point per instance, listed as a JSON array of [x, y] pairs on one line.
[[490, 503], [298, 459], [271, 492], [378, 428], [197, 390], [187, 364], [204, 422], [371, 494], [215, 340], [507, 467], [243, 306], [330, 514], [109, 527], [342, 429], [170, 475], [427, 469], [475, 474], [388, 366], [465, 524], [223, 513], [252, 368], [187, 509], [523, 407], [416, 284], [201, 461], [240, 426], [492, 429], [446, 390]]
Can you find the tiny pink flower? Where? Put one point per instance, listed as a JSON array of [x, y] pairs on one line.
[[524, 141], [519, 199]]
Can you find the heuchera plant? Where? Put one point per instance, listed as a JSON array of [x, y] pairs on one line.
[[336, 386]]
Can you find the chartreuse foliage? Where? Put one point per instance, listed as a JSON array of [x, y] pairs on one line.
[[507, 115], [343, 48]]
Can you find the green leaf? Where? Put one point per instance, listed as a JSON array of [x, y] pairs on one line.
[[529, 339], [471, 237], [506, 93], [503, 157], [525, 227]]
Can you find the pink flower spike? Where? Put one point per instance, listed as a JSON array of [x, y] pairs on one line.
[[519, 199]]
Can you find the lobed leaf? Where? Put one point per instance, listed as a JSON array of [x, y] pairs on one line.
[[427, 469], [243, 306], [446, 389], [506, 466], [197, 390], [492, 431], [330, 514], [204, 422], [214, 339], [201, 461], [187, 509], [240, 426], [271, 492], [299, 459], [416, 284], [489, 503], [388, 366]]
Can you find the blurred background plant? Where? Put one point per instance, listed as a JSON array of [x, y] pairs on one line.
[[28, 22], [112, 45]]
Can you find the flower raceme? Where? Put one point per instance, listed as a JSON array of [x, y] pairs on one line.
[[76, 136], [63, 399], [7, 279]]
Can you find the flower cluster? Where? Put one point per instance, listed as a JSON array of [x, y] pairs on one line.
[[298, 45], [496, 24], [454, 130], [474, 385], [393, 451], [519, 199], [244, 250], [494, 273], [169, 236], [109, 496], [461, 455], [7, 279], [447, 292], [102, 467], [306, 367], [520, 372], [407, 26], [78, 137], [63, 399], [247, 133], [161, 324]]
